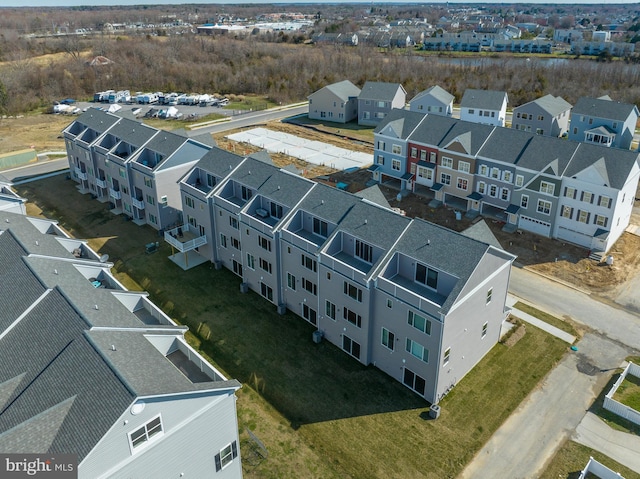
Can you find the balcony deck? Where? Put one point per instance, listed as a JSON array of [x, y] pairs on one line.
[[187, 367]]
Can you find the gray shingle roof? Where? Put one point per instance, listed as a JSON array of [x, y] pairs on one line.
[[614, 165], [373, 90], [543, 151], [471, 135], [97, 120], [554, 105], [433, 245], [375, 195], [599, 108], [432, 130], [436, 92], [219, 162], [505, 145], [133, 132], [65, 368], [327, 203], [403, 122], [165, 143], [343, 90], [483, 99]]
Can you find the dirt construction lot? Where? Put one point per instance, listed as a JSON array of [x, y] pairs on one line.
[[551, 257]]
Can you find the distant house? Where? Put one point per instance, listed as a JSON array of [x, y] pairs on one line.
[[337, 103], [9, 199], [548, 115], [377, 99], [563, 35], [604, 122], [92, 369], [434, 100], [487, 107]]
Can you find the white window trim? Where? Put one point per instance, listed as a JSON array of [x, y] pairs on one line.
[[150, 440]]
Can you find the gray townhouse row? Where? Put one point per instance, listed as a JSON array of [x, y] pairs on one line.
[[582, 193], [131, 166], [420, 302], [91, 369]]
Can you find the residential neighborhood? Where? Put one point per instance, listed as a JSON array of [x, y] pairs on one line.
[[385, 229]]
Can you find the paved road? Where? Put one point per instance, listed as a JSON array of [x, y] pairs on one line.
[[35, 170], [530, 437], [615, 323], [523, 445]]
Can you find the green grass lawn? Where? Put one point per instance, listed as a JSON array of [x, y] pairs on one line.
[[573, 457], [547, 318], [319, 412], [628, 393]]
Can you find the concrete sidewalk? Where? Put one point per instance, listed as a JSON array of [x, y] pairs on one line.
[[538, 323], [593, 432]]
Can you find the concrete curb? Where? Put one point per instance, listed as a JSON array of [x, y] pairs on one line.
[[552, 278]]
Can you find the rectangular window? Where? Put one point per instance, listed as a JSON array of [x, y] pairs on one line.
[[350, 346], [276, 210], [223, 240], [388, 339], [417, 350], [396, 149], [352, 317], [413, 381], [153, 219], [604, 201], [485, 326], [570, 192], [310, 286], [519, 181], [445, 179], [291, 281], [482, 187], [504, 194], [235, 243], [353, 292], [426, 276], [419, 322], [396, 164], [233, 222], [426, 173], [389, 303], [493, 191], [423, 155], [122, 173], [544, 207], [309, 263], [265, 265], [471, 111], [150, 200], [463, 166], [189, 202], [506, 176], [489, 295], [148, 182], [364, 251], [143, 434], [251, 261], [237, 268], [266, 291], [380, 160], [567, 212], [320, 227], [540, 117], [380, 145], [524, 201], [463, 183], [414, 152], [446, 356], [432, 157], [309, 314], [330, 310], [264, 243], [546, 187], [587, 197], [382, 104], [601, 220], [495, 173], [583, 216], [484, 170], [447, 162]]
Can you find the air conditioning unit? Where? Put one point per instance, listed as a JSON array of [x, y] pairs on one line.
[[262, 213]]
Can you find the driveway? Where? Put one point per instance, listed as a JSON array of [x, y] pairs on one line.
[[530, 437]]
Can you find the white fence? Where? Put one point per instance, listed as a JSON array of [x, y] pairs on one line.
[[600, 470], [620, 409]]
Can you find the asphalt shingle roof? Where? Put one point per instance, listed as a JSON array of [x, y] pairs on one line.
[[600, 108], [483, 99], [344, 89], [436, 92], [505, 145], [373, 90], [614, 165], [327, 203], [554, 105], [471, 136]]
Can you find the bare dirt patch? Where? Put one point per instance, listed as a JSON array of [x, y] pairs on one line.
[[41, 131]]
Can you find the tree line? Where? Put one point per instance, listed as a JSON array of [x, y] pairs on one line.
[[284, 72]]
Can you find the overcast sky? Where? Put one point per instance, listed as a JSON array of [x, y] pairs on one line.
[[289, 5]]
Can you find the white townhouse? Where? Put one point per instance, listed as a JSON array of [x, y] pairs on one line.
[[487, 107]]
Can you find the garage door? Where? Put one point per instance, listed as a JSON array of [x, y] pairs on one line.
[[574, 237], [535, 226]]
